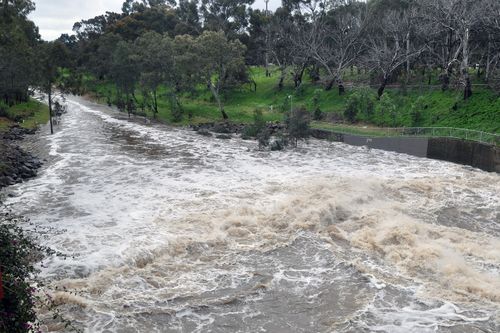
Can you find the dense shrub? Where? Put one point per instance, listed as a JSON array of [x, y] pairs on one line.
[[494, 81], [3, 109], [385, 111], [18, 253], [416, 111], [176, 109], [297, 125], [263, 138], [285, 105], [360, 105], [20, 290], [317, 113], [258, 126]]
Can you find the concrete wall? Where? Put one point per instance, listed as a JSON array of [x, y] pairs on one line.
[[406, 145], [478, 155]]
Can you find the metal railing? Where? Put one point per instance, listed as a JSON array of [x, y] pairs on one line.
[[441, 132]]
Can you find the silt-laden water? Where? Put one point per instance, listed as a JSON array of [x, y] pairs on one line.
[[168, 231]]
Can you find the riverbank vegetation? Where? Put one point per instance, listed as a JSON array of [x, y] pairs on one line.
[[375, 63], [27, 115], [419, 106], [391, 62]]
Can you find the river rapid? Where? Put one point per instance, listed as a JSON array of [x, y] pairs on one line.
[[169, 231]]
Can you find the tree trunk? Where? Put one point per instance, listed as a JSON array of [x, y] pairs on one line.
[[408, 47], [282, 78], [381, 89], [297, 77], [219, 102], [330, 84], [314, 73], [341, 89], [465, 66], [127, 104], [468, 87], [488, 60], [445, 79], [50, 109], [155, 104], [266, 59]]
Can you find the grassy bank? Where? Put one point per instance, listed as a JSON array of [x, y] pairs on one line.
[[437, 108], [28, 115]]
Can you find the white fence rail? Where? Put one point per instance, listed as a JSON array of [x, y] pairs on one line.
[[446, 132]]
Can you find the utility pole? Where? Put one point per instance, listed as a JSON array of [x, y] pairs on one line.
[[50, 108]]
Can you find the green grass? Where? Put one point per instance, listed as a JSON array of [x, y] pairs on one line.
[[28, 115], [442, 109], [480, 112], [350, 129]]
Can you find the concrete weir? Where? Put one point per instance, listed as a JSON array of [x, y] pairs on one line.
[[479, 155]]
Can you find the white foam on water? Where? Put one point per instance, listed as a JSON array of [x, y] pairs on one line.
[[411, 319], [154, 217]]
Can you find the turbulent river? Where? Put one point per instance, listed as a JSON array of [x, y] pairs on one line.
[[169, 231]]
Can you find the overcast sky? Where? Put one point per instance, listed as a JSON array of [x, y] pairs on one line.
[[55, 17]]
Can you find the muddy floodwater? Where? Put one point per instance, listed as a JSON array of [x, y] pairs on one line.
[[169, 231]]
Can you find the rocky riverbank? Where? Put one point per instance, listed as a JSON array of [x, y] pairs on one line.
[[16, 165], [233, 128]]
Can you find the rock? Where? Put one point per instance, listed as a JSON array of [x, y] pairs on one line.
[[9, 181], [224, 137], [16, 165], [204, 132]]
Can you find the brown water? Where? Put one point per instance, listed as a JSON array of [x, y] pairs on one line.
[[168, 231]]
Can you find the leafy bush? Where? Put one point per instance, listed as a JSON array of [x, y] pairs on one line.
[[300, 91], [176, 109], [258, 120], [317, 113], [385, 111], [258, 126], [494, 81], [248, 132], [263, 138], [3, 109], [416, 111], [360, 105], [286, 105], [19, 251], [298, 124]]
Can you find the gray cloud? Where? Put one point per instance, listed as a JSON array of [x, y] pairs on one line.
[[55, 17]]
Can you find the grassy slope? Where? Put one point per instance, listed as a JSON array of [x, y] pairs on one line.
[[32, 114], [481, 112]]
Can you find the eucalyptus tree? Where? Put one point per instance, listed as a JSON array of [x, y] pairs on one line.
[[230, 16], [458, 19], [387, 44], [280, 45], [125, 72], [258, 34], [189, 21], [16, 7], [334, 38], [156, 65], [51, 57], [18, 42], [131, 6], [492, 47], [220, 62]]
